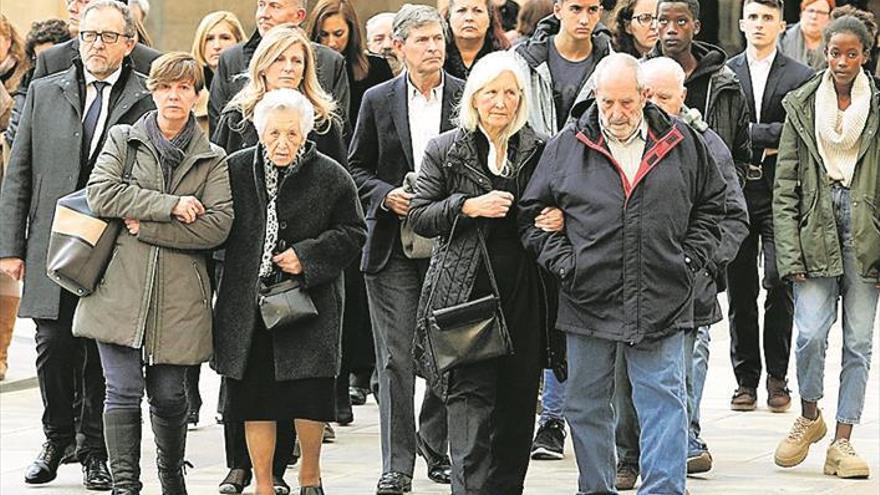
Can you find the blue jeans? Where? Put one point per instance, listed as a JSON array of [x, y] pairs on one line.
[[127, 377], [815, 310], [552, 398], [657, 374], [700, 366]]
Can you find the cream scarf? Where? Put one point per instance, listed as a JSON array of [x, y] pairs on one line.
[[838, 132]]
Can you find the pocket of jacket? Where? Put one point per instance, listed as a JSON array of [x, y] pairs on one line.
[[200, 281]]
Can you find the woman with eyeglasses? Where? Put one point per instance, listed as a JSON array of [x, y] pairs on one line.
[[633, 29], [803, 40]]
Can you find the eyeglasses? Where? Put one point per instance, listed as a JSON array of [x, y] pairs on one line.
[[644, 19], [817, 13], [108, 37]]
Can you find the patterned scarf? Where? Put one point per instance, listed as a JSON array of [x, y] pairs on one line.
[[273, 176]]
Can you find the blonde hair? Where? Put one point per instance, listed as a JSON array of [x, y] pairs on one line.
[[276, 41], [486, 70], [207, 24], [175, 66], [17, 50]]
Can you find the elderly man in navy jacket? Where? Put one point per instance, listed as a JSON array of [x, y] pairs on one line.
[[642, 199]]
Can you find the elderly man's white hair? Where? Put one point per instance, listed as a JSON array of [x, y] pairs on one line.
[[486, 70], [666, 66], [284, 99], [376, 19], [617, 64]]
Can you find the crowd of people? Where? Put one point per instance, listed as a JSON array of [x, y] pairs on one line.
[[529, 205]]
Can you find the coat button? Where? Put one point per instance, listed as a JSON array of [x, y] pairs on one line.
[[283, 225]]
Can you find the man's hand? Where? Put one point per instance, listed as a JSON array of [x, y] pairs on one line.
[[288, 261], [14, 267], [188, 209], [493, 204], [799, 278], [551, 219], [398, 200], [133, 226]]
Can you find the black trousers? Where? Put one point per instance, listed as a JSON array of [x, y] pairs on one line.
[[71, 383], [742, 293]]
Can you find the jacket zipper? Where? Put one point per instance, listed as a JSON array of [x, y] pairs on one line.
[[201, 284]]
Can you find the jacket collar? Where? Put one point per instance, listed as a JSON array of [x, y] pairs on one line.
[[536, 50], [310, 153], [398, 102], [133, 90], [464, 150]]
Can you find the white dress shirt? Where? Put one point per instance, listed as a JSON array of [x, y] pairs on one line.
[[759, 70], [424, 118], [91, 94]]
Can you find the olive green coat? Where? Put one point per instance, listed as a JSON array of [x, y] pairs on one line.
[[155, 292], [803, 214]]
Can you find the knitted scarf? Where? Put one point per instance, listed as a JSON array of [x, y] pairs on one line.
[[838, 133], [171, 152]]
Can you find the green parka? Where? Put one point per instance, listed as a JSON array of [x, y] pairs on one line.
[[803, 214], [155, 292]]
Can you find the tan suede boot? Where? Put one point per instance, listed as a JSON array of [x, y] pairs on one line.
[[8, 310]]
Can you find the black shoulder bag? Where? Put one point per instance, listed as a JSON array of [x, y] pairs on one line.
[[284, 301], [469, 332]]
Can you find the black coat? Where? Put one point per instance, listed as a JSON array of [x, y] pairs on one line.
[[233, 65], [380, 155], [379, 72], [319, 216], [450, 174], [786, 75], [627, 258], [233, 135], [47, 163]]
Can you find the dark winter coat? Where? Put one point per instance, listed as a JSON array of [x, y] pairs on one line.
[[45, 164], [712, 279], [627, 259], [724, 106], [450, 174], [320, 218], [232, 134], [231, 76]]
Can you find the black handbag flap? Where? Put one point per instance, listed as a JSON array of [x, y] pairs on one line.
[[466, 313], [279, 288]]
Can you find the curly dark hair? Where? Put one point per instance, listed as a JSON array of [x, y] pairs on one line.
[[619, 18], [855, 24], [48, 31]]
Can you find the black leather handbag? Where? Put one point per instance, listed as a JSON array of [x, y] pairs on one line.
[[284, 301], [472, 331], [81, 243]]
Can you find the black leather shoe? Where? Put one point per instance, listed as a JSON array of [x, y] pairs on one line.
[[394, 484], [235, 481], [311, 490], [358, 395], [281, 487], [439, 466], [70, 455], [45, 466], [96, 476]]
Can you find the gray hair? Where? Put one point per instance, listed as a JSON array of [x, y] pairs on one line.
[[664, 65], [411, 17], [486, 70], [284, 99], [381, 16], [612, 64], [130, 27], [144, 5]]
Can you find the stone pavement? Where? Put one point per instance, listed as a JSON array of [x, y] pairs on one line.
[[742, 443]]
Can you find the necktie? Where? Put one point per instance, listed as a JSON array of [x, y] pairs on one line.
[[90, 123]]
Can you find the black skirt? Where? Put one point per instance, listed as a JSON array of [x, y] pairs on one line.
[[258, 396]]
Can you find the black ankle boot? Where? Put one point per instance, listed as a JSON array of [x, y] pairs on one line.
[[122, 434], [170, 434]]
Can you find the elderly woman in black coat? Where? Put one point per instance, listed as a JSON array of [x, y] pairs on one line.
[[470, 179], [297, 216]]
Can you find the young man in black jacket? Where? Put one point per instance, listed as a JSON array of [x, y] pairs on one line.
[[642, 199], [766, 75], [712, 88]]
